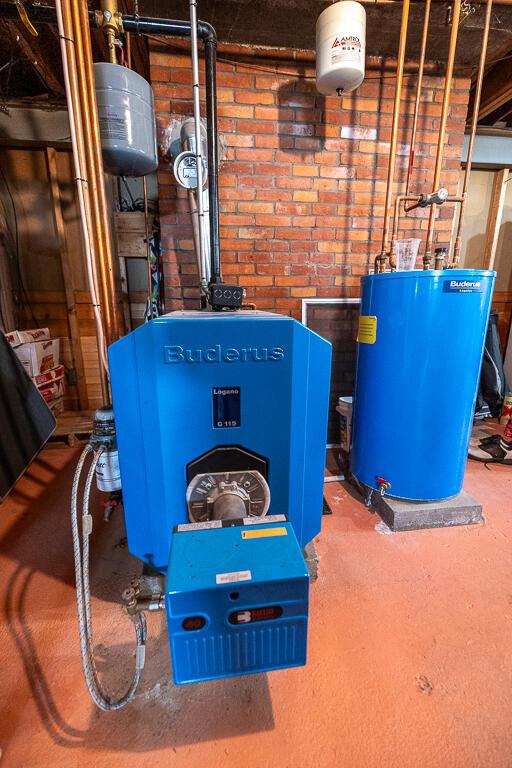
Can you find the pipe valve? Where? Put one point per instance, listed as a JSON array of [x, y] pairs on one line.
[[435, 198]]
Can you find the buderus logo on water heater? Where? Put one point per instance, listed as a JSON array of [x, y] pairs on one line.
[[462, 286], [219, 354]]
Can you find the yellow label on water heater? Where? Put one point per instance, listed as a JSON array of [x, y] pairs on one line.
[[367, 331], [264, 533]]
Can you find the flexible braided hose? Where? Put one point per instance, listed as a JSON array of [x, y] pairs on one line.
[[101, 698]]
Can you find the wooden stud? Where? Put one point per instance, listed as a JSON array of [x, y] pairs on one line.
[[494, 217], [67, 272]]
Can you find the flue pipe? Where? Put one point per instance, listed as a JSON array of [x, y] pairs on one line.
[[427, 258], [380, 261], [77, 141], [79, 14], [474, 121], [419, 86]]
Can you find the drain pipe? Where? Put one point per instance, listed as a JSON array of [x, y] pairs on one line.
[[474, 121], [427, 258]]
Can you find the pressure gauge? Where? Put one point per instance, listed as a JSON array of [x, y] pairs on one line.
[[185, 170]]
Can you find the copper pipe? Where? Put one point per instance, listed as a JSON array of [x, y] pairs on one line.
[[474, 121], [421, 68], [442, 129], [111, 24], [128, 46], [79, 16], [396, 217], [84, 191], [380, 261]]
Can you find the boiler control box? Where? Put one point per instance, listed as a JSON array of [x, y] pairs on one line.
[[236, 598]]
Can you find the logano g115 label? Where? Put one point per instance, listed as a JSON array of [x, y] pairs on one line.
[[462, 286], [219, 354]]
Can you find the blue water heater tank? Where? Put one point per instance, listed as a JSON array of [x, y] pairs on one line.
[[420, 346]]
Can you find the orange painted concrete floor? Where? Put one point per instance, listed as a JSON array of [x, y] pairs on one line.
[[410, 649]]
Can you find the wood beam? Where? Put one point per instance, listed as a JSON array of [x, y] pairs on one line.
[[497, 88], [34, 51], [67, 273], [494, 217]]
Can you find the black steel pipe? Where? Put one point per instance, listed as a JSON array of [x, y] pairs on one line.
[[169, 28]]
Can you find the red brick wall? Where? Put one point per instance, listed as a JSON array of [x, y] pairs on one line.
[[302, 178]]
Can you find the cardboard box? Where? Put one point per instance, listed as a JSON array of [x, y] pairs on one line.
[[15, 338], [52, 391], [48, 376], [56, 406], [38, 356]]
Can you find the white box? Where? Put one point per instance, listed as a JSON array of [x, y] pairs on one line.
[[15, 338], [38, 356]]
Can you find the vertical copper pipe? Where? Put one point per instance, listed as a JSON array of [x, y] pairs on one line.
[[442, 130], [421, 68], [380, 261], [79, 15], [128, 45], [474, 122], [83, 179]]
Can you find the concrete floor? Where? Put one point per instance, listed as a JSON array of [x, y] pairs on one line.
[[410, 659]]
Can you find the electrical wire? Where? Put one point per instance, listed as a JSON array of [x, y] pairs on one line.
[[102, 698]]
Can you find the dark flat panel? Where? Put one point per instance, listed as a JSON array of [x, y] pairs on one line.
[[26, 422]]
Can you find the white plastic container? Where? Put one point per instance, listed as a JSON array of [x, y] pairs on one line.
[[108, 474], [340, 48], [407, 253], [127, 120], [344, 409]]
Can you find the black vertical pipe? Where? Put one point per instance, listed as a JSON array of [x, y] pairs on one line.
[[213, 160]]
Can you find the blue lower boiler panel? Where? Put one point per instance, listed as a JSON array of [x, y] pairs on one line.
[[236, 599], [420, 346]]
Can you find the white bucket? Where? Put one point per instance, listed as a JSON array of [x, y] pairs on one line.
[[344, 409]]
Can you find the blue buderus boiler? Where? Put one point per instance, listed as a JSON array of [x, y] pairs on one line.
[[420, 347], [221, 421]]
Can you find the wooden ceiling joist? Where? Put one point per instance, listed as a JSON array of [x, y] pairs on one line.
[[497, 89], [32, 49]]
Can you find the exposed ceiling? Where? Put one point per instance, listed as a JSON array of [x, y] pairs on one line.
[[291, 24], [30, 66]]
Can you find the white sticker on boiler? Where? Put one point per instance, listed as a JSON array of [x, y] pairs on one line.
[[230, 578]]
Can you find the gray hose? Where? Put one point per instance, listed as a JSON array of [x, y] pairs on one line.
[[101, 698]]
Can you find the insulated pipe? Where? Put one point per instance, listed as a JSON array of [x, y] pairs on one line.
[[380, 261], [421, 68], [474, 122], [442, 130], [80, 16], [196, 97], [77, 141]]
